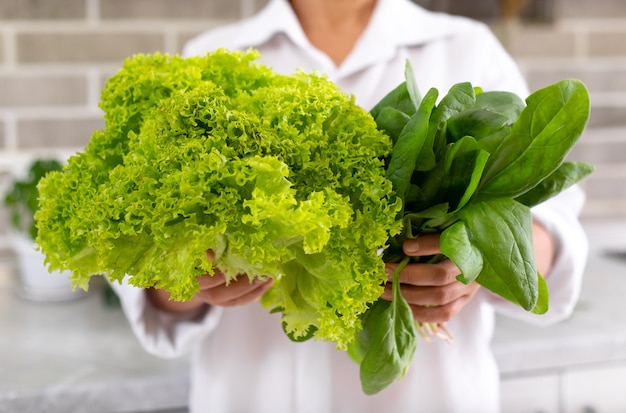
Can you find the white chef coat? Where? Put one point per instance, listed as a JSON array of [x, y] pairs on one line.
[[241, 360]]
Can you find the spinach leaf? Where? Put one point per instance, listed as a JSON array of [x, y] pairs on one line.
[[398, 98], [454, 179], [489, 114], [507, 104], [464, 165], [455, 242], [406, 150], [389, 341], [540, 138], [501, 229], [459, 98], [434, 145], [428, 189], [470, 168], [411, 85], [490, 280], [391, 121], [565, 176], [419, 222]]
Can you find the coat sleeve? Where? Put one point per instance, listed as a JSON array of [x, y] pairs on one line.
[[559, 216], [161, 334]]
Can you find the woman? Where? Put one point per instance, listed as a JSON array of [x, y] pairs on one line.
[[241, 359]]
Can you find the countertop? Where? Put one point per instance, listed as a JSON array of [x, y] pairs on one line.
[[594, 335], [81, 356]]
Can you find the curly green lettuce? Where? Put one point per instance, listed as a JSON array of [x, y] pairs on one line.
[[281, 175]]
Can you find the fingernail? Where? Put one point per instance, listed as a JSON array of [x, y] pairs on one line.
[[411, 247]]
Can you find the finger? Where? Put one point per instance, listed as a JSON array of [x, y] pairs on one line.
[[251, 296], [431, 296], [439, 274], [210, 281], [427, 244], [236, 289], [439, 314], [443, 307]]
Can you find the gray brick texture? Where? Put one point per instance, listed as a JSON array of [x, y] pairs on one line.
[[55, 56]]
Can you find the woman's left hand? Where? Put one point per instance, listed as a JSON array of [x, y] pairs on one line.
[[432, 290]]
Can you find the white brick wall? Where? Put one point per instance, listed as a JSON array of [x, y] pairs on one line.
[[56, 55], [590, 49]]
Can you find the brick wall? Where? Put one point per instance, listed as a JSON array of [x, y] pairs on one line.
[[55, 56], [586, 41]]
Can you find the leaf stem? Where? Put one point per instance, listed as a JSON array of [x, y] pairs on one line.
[[427, 331]]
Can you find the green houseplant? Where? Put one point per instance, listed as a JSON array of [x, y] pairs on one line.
[[22, 201]]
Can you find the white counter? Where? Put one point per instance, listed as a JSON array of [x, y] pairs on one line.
[[595, 333], [80, 356]]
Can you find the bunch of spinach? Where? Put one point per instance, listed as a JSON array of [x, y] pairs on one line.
[[470, 168]]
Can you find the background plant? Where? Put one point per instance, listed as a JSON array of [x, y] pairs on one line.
[[22, 199]]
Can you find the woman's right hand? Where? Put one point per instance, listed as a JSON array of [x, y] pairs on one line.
[[213, 291], [240, 291]]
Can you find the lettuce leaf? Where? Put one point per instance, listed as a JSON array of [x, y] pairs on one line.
[[281, 175]]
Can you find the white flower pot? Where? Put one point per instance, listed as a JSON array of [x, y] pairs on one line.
[[36, 282]]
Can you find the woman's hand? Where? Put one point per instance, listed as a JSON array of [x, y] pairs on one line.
[[431, 290], [213, 291]]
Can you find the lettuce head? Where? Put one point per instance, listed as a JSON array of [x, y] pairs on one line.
[[281, 175]]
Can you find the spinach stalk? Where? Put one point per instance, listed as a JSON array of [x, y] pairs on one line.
[[387, 342]]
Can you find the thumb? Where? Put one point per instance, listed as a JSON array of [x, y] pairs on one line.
[[423, 245]]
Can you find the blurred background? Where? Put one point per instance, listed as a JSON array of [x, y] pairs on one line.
[[55, 56]]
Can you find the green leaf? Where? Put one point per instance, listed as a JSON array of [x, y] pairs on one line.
[[433, 148], [435, 211], [289, 333], [411, 85], [490, 143], [454, 179], [388, 341], [475, 176], [398, 98], [219, 151], [543, 301], [474, 122], [501, 229], [490, 112], [463, 168], [540, 139], [459, 98], [310, 332], [456, 245], [565, 176], [391, 121], [506, 104], [417, 222], [409, 145], [22, 199]]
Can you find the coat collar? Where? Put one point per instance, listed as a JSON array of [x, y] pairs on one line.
[[394, 24]]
